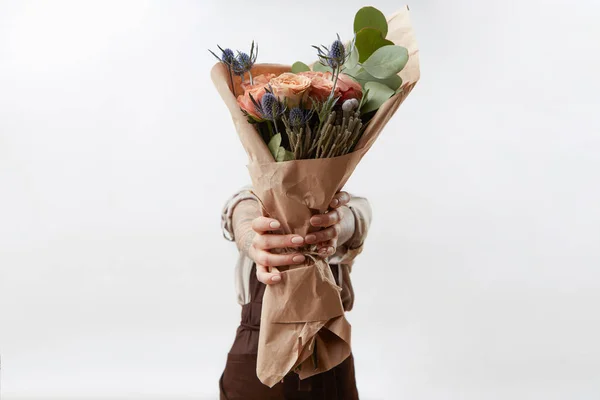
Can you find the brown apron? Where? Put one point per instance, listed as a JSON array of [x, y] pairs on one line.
[[239, 380]]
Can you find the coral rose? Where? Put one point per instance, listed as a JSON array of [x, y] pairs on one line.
[[320, 85], [257, 92], [349, 88]]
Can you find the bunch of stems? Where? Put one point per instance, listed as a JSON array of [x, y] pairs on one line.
[[339, 134]]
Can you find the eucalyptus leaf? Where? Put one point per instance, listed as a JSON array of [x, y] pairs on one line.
[[370, 17], [377, 95], [274, 144], [354, 56], [386, 61], [368, 40], [299, 66], [321, 68], [393, 82]]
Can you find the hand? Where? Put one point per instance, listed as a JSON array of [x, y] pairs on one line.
[[264, 241], [327, 238]]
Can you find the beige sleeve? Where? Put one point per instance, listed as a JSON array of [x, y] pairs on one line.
[[227, 214], [346, 253]]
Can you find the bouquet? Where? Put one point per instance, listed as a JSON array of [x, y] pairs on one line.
[[305, 128]]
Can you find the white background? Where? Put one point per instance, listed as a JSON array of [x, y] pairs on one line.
[[480, 279]]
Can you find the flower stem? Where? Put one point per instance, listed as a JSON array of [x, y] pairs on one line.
[[336, 74], [251, 79]]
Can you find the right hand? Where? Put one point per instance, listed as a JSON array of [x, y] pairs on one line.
[[264, 241]]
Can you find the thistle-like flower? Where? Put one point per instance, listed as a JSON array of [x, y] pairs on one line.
[[244, 62], [228, 59], [298, 117], [335, 57], [337, 54], [227, 56], [269, 108]]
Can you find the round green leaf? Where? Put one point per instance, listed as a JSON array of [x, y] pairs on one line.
[[370, 17], [299, 66], [321, 68], [353, 57], [393, 82], [368, 40], [377, 95], [386, 61]]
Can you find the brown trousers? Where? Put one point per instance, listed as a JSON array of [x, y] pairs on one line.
[[239, 380]]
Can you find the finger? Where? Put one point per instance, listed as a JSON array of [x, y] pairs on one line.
[[327, 248], [340, 199], [267, 242], [323, 235], [265, 224], [269, 259], [267, 277], [325, 220]]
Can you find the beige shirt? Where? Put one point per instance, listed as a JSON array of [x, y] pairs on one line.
[[343, 258]]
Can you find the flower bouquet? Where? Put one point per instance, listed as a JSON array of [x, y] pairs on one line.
[[305, 128]]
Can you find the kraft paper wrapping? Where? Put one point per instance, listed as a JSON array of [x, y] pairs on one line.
[[305, 310]]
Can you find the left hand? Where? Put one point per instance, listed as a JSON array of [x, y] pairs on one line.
[[327, 238]]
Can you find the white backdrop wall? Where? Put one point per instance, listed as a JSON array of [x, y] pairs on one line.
[[479, 281]]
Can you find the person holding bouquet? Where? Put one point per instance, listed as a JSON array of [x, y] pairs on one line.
[[342, 233]]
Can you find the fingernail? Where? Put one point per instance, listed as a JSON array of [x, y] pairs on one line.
[[275, 224], [276, 278], [317, 220], [330, 250], [334, 202], [298, 259], [311, 238], [297, 239]]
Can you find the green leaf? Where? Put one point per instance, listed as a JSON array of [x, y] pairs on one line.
[[368, 40], [386, 61], [289, 156], [370, 17], [378, 94], [284, 155], [322, 68], [274, 144], [393, 82], [299, 66], [354, 56], [280, 154]]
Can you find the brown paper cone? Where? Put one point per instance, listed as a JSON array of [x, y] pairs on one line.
[[305, 309]]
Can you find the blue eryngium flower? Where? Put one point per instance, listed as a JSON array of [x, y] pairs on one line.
[[299, 117], [337, 54], [243, 63], [270, 106], [227, 56]]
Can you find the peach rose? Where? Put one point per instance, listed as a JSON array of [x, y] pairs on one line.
[[349, 88], [293, 87], [320, 85], [261, 79]]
